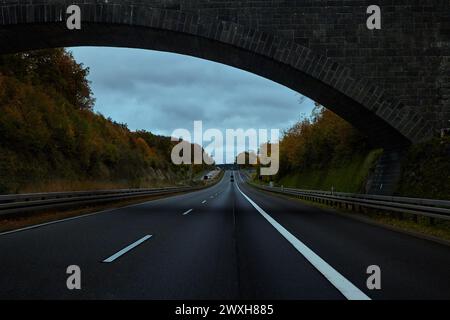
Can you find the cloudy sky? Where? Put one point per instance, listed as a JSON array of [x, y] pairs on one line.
[[161, 92]]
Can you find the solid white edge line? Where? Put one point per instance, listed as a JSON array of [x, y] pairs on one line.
[[50, 222], [186, 212], [126, 249], [34, 226], [348, 289]]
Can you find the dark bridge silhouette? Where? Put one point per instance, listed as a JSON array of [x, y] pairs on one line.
[[392, 84]]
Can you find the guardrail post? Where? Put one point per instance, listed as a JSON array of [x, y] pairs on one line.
[[360, 209]]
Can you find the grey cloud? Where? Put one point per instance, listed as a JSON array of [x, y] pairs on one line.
[[160, 92]]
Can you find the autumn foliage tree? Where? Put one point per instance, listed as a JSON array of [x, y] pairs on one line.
[[55, 71], [322, 140]]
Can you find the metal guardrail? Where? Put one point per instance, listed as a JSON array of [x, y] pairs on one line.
[[439, 209], [18, 203]]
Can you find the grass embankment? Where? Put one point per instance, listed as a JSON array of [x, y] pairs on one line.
[[349, 176], [76, 185], [324, 152]]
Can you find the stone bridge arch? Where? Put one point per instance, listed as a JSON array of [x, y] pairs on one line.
[[196, 28]]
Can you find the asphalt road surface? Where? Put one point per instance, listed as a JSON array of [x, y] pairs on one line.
[[229, 241]]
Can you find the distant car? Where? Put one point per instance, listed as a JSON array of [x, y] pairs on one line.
[[232, 179], [205, 178]]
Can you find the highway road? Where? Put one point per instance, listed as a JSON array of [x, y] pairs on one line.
[[229, 241]]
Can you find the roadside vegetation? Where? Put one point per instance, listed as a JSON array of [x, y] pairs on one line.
[[322, 152], [426, 170], [52, 140]]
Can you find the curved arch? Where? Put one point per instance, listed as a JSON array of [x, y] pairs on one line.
[[385, 121]]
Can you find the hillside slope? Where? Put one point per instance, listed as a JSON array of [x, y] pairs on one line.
[[324, 152], [52, 140]]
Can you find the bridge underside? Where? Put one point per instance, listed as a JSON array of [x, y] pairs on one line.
[[41, 36]]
